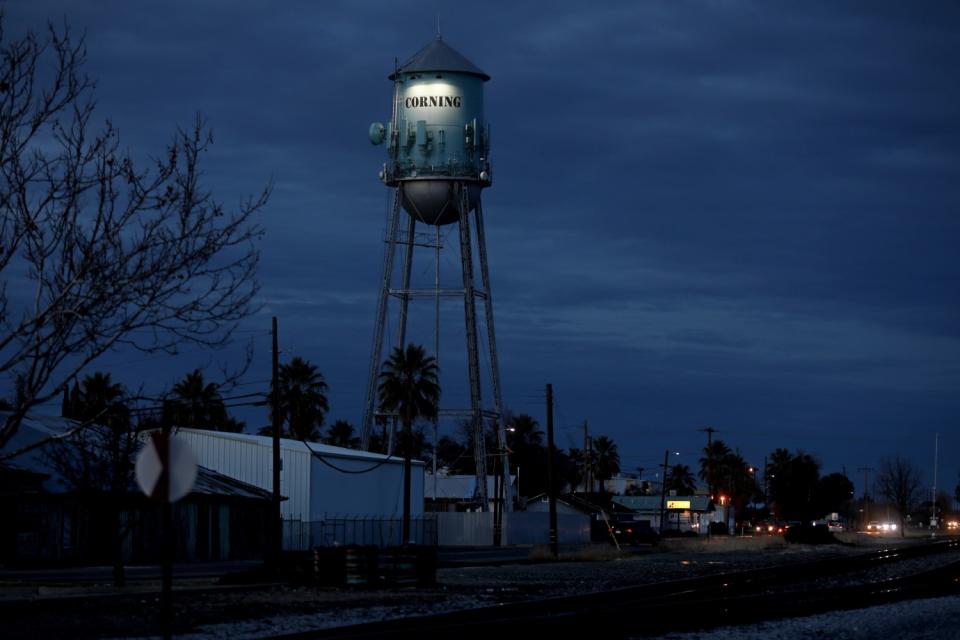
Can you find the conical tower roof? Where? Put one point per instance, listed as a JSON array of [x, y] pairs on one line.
[[439, 56]]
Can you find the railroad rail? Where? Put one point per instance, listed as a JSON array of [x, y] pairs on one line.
[[739, 597]]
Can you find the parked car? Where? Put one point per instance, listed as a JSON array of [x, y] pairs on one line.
[[634, 532], [832, 525], [835, 526], [770, 527]]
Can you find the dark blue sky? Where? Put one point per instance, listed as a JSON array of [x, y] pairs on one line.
[[737, 214]]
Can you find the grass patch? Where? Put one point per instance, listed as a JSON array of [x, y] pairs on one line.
[[587, 553], [721, 544]]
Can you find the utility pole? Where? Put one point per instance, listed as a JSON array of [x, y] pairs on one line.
[[167, 551], [592, 464], [663, 488], [586, 459], [766, 487], [933, 502], [866, 495], [497, 510], [709, 431], [551, 481], [277, 528]]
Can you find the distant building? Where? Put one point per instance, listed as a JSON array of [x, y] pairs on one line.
[[600, 508], [450, 492], [683, 513], [628, 484]]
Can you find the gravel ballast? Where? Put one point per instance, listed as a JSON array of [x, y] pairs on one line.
[[928, 619], [236, 615]]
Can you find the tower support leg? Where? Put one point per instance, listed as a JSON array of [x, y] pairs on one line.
[[470, 291], [473, 356], [389, 251], [494, 364], [405, 285]]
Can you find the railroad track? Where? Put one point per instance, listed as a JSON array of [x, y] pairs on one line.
[[696, 603]]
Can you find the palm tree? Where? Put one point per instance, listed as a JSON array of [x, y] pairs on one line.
[[777, 472], [196, 404], [99, 400], [711, 466], [606, 459], [575, 475], [741, 484], [409, 389], [303, 400], [524, 432], [792, 480], [680, 479], [340, 434]]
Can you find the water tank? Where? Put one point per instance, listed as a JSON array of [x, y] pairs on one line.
[[436, 136]]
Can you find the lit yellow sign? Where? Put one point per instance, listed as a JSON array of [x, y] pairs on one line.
[[678, 504]]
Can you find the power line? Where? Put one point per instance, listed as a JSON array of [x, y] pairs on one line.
[[319, 457]]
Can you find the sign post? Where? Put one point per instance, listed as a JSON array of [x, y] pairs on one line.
[[166, 471]]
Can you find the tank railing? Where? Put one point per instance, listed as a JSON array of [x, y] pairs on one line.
[[399, 172]]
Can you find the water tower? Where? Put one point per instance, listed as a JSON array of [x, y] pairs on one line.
[[438, 163]]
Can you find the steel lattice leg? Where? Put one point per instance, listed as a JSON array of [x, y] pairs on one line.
[[405, 290], [389, 251], [473, 356], [494, 364]]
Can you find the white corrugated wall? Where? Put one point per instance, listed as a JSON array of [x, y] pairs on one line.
[[344, 487], [251, 461]]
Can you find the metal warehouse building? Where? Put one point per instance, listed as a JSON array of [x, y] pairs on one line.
[[318, 481]]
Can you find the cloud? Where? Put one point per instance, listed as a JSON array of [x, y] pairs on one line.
[[725, 211]]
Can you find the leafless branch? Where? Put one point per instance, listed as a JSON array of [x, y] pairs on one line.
[[96, 251]]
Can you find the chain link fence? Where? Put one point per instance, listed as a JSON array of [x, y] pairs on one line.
[[378, 531]]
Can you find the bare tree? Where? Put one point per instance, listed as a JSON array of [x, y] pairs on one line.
[[96, 251], [899, 482]]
